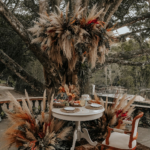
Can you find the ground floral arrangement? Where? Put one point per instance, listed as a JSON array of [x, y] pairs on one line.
[[33, 132], [43, 132]]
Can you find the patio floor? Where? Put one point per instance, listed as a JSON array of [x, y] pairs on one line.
[[143, 134]]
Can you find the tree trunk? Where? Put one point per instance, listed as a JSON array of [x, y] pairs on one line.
[[21, 73]]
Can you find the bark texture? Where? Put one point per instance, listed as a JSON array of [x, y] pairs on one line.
[[131, 21]]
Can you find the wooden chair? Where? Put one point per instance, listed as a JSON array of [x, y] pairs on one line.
[[119, 139]]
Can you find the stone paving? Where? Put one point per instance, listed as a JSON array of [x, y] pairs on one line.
[[143, 134]]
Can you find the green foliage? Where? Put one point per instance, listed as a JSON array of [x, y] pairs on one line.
[[133, 78], [15, 48]]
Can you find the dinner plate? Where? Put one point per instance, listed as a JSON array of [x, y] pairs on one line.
[[69, 108], [76, 103], [95, 105]]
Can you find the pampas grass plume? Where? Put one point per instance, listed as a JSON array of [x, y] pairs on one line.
[[28, 101], [106, 104], [62, 135], [44, 100], [113, 120], [128, 105]]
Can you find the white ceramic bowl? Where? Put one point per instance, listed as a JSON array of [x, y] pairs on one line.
[[95, 105], [85, 97], [76, 104], [69, 108]]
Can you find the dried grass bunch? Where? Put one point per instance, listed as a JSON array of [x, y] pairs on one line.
[[73, 36], [32, 132], [120, 109]]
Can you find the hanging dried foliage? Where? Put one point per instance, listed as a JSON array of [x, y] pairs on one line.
[[70, 36], [33, 132]]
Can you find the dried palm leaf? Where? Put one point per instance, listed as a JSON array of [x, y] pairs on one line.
[[29, 103], [121, 102], [50, 107], [67, 10], [113, 120], [106, 104], [62, 135], [37, 40], [130, 110], [92, 13], [25, 107], [14, 101], [58, 126], [44, 100], [96, 97], [102, 102], [29, 135], [128, 105]]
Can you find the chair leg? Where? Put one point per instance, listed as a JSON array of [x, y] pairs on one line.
[[102, 147]]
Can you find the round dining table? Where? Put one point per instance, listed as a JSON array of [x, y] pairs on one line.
[[83, 115]]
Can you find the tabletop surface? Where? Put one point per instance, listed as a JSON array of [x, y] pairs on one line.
[[83, 112]]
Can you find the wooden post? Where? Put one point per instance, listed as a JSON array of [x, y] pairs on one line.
[[93, 89]]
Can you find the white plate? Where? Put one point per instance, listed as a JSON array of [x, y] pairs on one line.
[[95, 105], [69, 108], [76, 104]]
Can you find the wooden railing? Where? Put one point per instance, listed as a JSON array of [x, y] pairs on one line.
[[37, 105]]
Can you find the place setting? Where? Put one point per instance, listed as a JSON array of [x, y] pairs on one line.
[[69, 110], [94, 106]]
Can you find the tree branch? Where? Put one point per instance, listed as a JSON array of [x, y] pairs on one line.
[[124, 62], [85, 4], [49, 66], [23, 33], [122, 37], [21, 73], [132, 20], [15, 6], [111, 11], [105, 11], [119, 62], [129, 55], [31, 5]]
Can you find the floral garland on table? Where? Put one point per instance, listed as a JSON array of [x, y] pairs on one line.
[[31, 132], [73, 36]]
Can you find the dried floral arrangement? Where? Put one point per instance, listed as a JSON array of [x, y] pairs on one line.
[[72, 92], [32, 132], [73, 36], [66, 95], [120, 109]]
